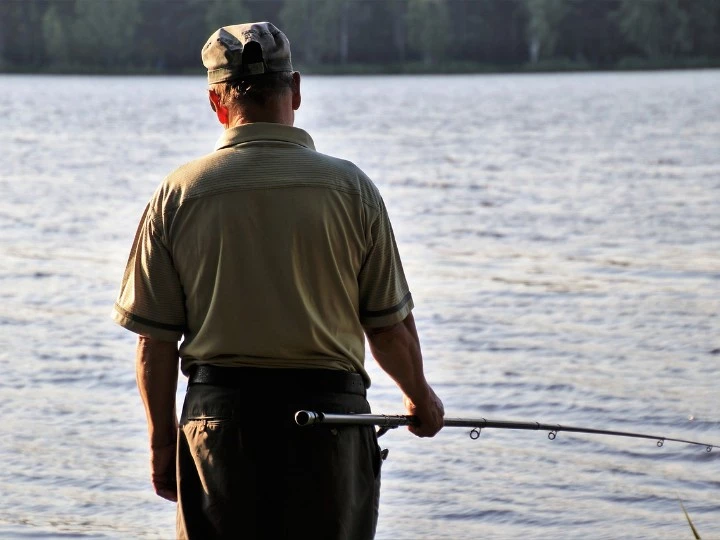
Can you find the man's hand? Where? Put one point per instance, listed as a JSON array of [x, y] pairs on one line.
[[429, 412], [162, 471]]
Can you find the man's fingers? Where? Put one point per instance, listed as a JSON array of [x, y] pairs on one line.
[[423, 432], [419, 432], [166, 488], [426, 429], [167, 494]]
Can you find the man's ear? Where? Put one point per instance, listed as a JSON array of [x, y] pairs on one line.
[[296, 98], [220, 110]]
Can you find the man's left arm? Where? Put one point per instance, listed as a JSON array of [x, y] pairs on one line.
[[156, 366]]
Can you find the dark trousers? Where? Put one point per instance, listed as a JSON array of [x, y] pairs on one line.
[[245, 470]]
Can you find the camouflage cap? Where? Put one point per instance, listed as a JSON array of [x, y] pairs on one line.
[[230, 53]]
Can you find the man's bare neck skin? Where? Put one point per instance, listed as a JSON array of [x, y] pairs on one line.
[[277, 111]]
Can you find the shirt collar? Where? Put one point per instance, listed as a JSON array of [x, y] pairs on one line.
[[264, 131]]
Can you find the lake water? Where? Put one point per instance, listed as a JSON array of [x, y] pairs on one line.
[[561, 236]]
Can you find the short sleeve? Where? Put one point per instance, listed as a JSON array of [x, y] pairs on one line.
[[151, 300], [384, 295]]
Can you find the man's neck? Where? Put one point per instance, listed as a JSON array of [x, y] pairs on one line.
[[273, 115]]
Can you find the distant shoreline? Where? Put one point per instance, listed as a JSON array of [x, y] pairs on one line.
[[415, 68]]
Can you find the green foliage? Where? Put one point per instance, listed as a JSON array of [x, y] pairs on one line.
[[543, 29], [658, 28], [103, 32], [319, 29], [488, 31], [170, 35], [704, 26], [21, 39], [366, 35], [297, 23], [588, 34], [429, 30], [225, 13], [57, 36]]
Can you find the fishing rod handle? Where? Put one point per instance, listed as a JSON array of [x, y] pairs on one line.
[[309, 418]]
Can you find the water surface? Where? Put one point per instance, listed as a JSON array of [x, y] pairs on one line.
[[561, 237]]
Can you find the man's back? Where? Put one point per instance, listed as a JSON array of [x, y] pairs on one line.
[[277, 250]]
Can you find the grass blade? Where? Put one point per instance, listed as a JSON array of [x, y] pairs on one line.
[[687, 516]]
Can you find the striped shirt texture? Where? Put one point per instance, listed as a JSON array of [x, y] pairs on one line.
[[265, 253]]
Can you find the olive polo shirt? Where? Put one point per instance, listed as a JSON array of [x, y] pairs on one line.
[[264, 253]]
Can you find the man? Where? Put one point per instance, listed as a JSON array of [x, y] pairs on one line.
[[271, 262]]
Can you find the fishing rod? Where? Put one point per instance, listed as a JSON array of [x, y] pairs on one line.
[[387, 422]]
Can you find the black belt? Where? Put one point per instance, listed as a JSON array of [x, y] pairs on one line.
[[279, 379]]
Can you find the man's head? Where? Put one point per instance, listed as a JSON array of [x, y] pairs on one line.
[[250, 74]]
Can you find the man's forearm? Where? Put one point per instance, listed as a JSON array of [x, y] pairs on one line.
[[157, 374], [397, 351]]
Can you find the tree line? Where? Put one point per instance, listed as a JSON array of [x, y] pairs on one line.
[[119, 36]]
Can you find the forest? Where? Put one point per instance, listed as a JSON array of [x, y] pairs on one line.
[[365, 36]]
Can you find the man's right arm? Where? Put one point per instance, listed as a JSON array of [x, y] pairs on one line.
[[157, 374], [397, 351]]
